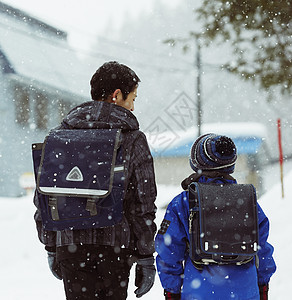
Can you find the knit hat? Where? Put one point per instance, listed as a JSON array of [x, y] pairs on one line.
[[211, 152]]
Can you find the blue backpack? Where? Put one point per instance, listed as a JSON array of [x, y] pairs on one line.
[[223, 224], [80, 180]]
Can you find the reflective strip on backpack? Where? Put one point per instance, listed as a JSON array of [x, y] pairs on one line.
[[72, 191]]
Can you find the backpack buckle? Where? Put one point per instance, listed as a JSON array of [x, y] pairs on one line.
[[91, 207], [53, 204]]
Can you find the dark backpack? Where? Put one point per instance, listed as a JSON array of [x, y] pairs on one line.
[[80, 180], [223, 223]]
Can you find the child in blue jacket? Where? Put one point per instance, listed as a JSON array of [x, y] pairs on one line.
[[213, 159]]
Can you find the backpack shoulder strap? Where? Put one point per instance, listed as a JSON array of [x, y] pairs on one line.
[[193, 195]]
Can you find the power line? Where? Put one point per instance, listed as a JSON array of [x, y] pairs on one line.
[[94, 54], [61, 43], [117, 43]]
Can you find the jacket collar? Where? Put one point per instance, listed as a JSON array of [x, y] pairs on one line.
[[195, 177], [100, 114]]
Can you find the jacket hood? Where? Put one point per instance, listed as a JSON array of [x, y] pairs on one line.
[[100, 114]]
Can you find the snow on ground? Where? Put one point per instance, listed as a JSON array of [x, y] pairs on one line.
[[24, 273]]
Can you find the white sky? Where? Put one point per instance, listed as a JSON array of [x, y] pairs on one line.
[[87, 18]]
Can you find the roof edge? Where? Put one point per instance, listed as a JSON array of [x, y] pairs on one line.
[[33, 83], [25, 17]]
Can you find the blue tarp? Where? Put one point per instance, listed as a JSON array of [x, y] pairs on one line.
[[244, 145]]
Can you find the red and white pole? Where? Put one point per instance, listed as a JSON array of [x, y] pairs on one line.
[[280, 154]]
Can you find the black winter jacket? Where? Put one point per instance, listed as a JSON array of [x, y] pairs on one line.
[[137, 229]]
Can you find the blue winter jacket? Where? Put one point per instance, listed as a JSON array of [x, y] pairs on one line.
[[178, 274]]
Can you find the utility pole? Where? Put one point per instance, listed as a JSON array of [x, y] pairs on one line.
[[199, 74]]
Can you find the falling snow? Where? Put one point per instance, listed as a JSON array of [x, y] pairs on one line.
[[33, 276]]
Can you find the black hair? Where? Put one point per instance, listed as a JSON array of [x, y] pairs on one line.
[[111, 76]]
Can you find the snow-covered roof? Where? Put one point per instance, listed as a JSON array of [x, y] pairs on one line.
[[39, 52], [248, 137]]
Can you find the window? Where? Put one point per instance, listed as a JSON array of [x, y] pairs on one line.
[[22, 111], [39, 108], [41, 112]]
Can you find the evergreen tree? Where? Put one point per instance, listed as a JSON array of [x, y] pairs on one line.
[[260, 32]]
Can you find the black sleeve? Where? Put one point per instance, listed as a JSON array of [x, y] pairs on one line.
[[142, 187]]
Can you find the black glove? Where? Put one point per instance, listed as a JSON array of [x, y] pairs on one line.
[[264, 291], [54, 266], [171, 296], [145, 275]]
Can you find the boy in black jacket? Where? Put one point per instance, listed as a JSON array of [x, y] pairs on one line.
[[95, 263]]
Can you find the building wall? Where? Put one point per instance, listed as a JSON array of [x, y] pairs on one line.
[[40, 82], [27, 114], [172, 170], [10, 152]]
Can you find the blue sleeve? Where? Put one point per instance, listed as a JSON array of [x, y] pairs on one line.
[[267, 266], [170, 244]]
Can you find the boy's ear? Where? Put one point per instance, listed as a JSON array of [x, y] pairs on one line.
[[115, 93]]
